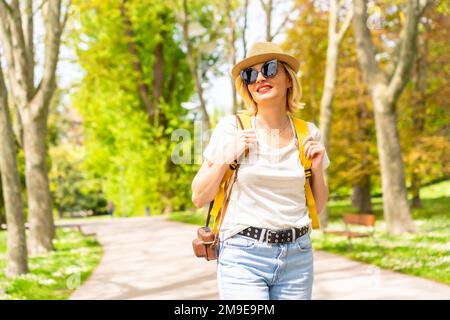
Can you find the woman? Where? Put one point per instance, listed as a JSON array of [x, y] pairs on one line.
[[265, 249]]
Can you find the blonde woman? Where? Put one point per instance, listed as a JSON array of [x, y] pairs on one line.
[[265, 247]]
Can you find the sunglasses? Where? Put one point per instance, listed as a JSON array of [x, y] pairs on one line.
[[269, 70]]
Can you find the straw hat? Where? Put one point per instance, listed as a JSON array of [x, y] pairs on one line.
[[261, 52]]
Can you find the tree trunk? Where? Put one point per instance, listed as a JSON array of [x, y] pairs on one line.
[[395, 198], [329, 86], [144, 92], [385, 90], [361, 198], [268, 12], [326, 104], [244, 44], [420, 108], [17, 248], [232, 47], [17, 126], [193, 65], [158, 74], [41, 219], [415, 189], [244, 29], [16, 35]]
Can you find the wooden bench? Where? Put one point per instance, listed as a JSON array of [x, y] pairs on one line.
[[363, 219]]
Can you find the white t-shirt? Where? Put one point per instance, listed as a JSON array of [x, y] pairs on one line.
[[270, 188]]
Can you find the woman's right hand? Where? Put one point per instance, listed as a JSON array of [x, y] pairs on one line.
[[207, 180], [236, 147]]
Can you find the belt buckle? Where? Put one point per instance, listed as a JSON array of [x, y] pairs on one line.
[[267, 235]]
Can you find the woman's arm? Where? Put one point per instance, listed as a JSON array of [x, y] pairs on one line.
[[319, 189], [206, 183], [315, 151]]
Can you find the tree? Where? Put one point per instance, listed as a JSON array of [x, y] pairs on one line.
[[231, 42], [423, 107], [335, 36], [192, 56], [17, 248], [268, 7], [385, 89], [128, 155], [17, 39], [351, 109]]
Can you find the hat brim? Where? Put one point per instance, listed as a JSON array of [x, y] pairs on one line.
[[248, 62]]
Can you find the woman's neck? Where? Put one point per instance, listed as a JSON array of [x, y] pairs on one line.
[[272, 117]]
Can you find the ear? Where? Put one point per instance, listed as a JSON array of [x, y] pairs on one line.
[[289, 80], [289, 83]]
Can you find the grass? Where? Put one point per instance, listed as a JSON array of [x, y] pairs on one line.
[[56, 275], [425, 253]]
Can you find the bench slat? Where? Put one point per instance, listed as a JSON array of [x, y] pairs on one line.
[[360, 219]]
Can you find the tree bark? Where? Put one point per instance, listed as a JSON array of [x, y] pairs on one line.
[[17, 249], [158, 74], [232, 47], [420, 108], [41, 220], [395, 202], [144, 92], [416, 202], [244, 29], [385, 92], [267, 7], [329, 87], [361, 198], [33, 104], [17, 125]]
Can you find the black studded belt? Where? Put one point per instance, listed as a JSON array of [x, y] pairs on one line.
[[275, 236]]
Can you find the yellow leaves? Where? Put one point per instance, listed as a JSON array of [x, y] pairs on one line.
[[429, 157], [402, 17]]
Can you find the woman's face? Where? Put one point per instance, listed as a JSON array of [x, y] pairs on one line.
[[270, 89]]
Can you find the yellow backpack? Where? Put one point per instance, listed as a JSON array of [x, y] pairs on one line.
[[219, 205]]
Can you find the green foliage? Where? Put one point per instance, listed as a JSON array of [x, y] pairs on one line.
[[71, 187], [53, 276], [130, 156]]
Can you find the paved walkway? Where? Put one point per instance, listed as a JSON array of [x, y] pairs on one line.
[[152, 258]]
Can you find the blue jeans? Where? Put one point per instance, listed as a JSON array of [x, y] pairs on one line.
[[249, 269]]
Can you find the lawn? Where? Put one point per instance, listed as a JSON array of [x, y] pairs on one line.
[[56, 275], [425, 253]]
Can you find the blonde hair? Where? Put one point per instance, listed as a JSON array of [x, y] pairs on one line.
[[294, 93]]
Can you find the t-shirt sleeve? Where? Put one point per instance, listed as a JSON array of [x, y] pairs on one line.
[[317, 136], [224, 132]]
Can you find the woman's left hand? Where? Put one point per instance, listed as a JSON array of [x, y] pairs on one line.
[[314, 150]]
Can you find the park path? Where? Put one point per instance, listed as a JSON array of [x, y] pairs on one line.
[[152, 258]]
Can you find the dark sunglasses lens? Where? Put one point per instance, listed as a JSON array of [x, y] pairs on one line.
[[249, 75], [269, 69]]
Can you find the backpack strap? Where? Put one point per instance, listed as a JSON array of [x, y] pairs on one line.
[[245, 121], [219, 205], [301, 132]]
